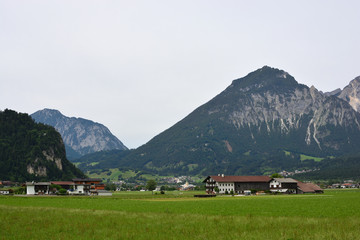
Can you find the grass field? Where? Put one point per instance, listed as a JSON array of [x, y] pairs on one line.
[[176, 215], [306, 157]]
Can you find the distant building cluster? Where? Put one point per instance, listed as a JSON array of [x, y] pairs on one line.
[[346, 184], [287, 173], [78, 186], [176, 180]]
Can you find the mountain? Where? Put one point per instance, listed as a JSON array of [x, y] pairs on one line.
[[351, 94], [80, 136], [336, 93], [32, 151], [261, 123]]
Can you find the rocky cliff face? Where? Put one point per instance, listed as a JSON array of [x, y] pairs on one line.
[[351, 94], [289, 108], [80, 136], [255, 118], [271, 100]]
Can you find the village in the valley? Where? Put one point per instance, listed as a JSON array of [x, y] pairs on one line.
[[212, 185]]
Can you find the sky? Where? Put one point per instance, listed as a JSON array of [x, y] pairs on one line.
[[138, 67]]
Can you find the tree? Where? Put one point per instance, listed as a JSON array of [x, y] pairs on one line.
[[110, 187], [151, 185], [276, 175]]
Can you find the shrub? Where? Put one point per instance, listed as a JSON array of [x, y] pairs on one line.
[[62, 191], [20, 190]]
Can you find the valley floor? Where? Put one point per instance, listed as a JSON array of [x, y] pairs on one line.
[[176, 215]]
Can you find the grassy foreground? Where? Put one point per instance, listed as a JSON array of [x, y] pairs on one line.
[[333, 215]]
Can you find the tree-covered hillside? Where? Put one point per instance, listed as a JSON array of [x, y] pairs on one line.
[[31, 151]]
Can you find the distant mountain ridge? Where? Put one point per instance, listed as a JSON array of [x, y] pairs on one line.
[[256, 125], [32, 151], [81, 136]]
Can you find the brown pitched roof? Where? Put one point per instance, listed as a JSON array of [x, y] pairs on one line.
[[38, 183], [241, 178], [308, 187], [286, 180]]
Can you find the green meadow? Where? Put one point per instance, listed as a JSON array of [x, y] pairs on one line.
[[176, 215]]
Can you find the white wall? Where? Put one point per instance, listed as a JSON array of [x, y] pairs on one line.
[[275, 184], [223, 187], [79, 189], [30, 190]]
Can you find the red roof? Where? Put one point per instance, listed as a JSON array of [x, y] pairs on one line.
[[241, 178], [87, 180]]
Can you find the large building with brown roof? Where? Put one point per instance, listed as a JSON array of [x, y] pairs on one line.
[[236, 184]]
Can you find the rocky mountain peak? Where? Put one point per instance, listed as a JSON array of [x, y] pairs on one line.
[[351, 94], [81, 136], [264, 78]]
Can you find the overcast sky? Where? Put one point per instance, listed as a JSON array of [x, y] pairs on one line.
[[138, 67]]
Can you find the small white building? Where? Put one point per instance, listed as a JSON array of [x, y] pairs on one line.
[[4, 192], [37, 188]]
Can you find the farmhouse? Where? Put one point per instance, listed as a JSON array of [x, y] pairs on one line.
[[90, 185], [236, 184]]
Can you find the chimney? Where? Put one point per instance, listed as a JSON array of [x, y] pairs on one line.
[[222, 175], [219, 175]]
